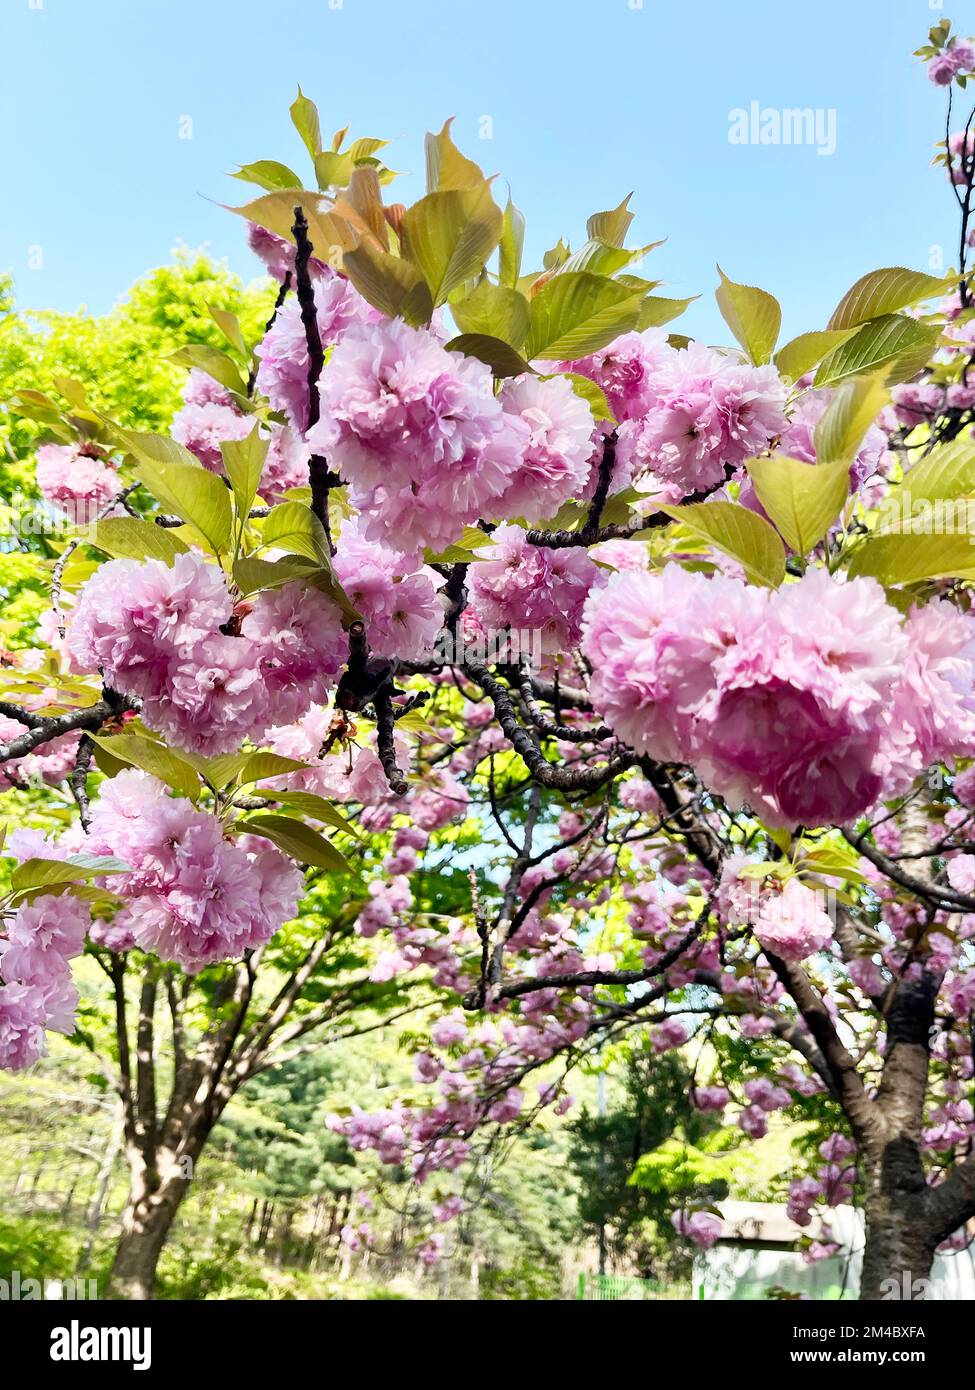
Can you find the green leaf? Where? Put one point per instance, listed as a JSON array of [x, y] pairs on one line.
[[264, 764], [308, 804], [877, 343], [394, 286], [130, 538], [854, 407], [243, 460], [462, 551], [329, 232], [578, 313], [501, 357], [753, 315], [512, 245], [215, 363], [218, 771], [229, 326], [801, 354], [803, 499], [304, 116], [908, 558], [333, 170], [293, 527], [741, 533], [450, 234], [446, 167], [655, 310], [154, 758], [269, 174], [947, 472], [252, 574], [40, 873], [611, 226], [494, 312], [304, 844], [884, 292], [181, 485]]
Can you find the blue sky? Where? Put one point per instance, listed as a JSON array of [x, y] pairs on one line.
[[588, 100]]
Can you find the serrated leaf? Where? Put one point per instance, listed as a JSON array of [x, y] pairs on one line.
[[947, 472], [802, 499], [40, 873], [884, 292], [494, 312], [293, 527], [180, 484], [300, 841], [449, 236], [332, 228], [394, 286], [213, 362], [753, 315], [876, 344], [308, 804], [446, 166], [269, 174], [243, 461], [854, 407], [501, 357], [512, 245], [131, 538], [655, 310], [578, 313], [909, 558], [611, 226], [263, 764], [801, 354], [740, 533], [229, 326], [304, 117], [154, 758]]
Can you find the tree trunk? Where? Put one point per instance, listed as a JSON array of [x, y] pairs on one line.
[[900, 1240], [145, 1225]]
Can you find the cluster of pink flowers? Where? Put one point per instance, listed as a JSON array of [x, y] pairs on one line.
[[399, 601], [210, 416], [710, 412], [532, 588], [52, 762], [794, 924], [427, 447], [77, 481], [804, 702], [957, 60], [158, 632], [191, 895], [37, 992], [703, 1228], [283, 372]]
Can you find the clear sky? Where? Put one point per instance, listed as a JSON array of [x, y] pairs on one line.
[[588, 99]]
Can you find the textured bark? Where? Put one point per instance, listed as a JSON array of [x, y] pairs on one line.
[[145, 1225]]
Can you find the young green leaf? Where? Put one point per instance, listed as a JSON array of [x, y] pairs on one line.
[[305, 845], [738, 532], [753, 315], [802, 499], [131, 538], [884, 292]]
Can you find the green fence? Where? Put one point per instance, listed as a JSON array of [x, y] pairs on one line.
[[616, 1287], [622, 1286]]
